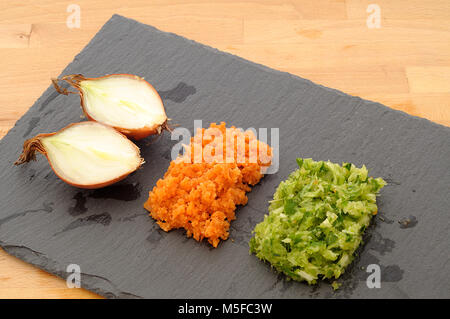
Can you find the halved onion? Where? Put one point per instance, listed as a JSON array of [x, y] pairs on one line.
[[124, 101], [86, 154]]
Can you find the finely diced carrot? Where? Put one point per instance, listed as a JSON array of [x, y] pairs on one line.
[[201, 196]]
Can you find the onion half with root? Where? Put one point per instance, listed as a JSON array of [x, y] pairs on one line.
[[86, 154], [124, 101]]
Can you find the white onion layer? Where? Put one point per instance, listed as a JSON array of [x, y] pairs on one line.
[[90, 153], [122, 101]]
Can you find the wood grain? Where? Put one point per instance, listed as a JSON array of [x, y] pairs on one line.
[[404, 64]]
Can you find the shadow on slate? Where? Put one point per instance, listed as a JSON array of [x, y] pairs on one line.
[[123, 253]]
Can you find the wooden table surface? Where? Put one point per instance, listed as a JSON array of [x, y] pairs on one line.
[[405, 63]]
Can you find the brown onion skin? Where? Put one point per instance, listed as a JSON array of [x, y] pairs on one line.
[[135, 134], [84, 186]]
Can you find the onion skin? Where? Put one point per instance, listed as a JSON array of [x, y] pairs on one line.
[[33, 145], [135, 134]]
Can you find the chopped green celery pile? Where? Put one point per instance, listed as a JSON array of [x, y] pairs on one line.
[[316, 220]]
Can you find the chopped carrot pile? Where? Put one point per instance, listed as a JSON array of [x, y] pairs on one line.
[[201, 189]]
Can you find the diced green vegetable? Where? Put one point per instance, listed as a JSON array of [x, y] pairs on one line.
[[316, 220], [335, 285]]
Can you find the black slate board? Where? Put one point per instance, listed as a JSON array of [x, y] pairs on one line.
[[123, 253]]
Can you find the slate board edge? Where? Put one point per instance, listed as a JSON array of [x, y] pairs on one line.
[[269, 69], [193, 42], [41, 261], [88, 281]]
